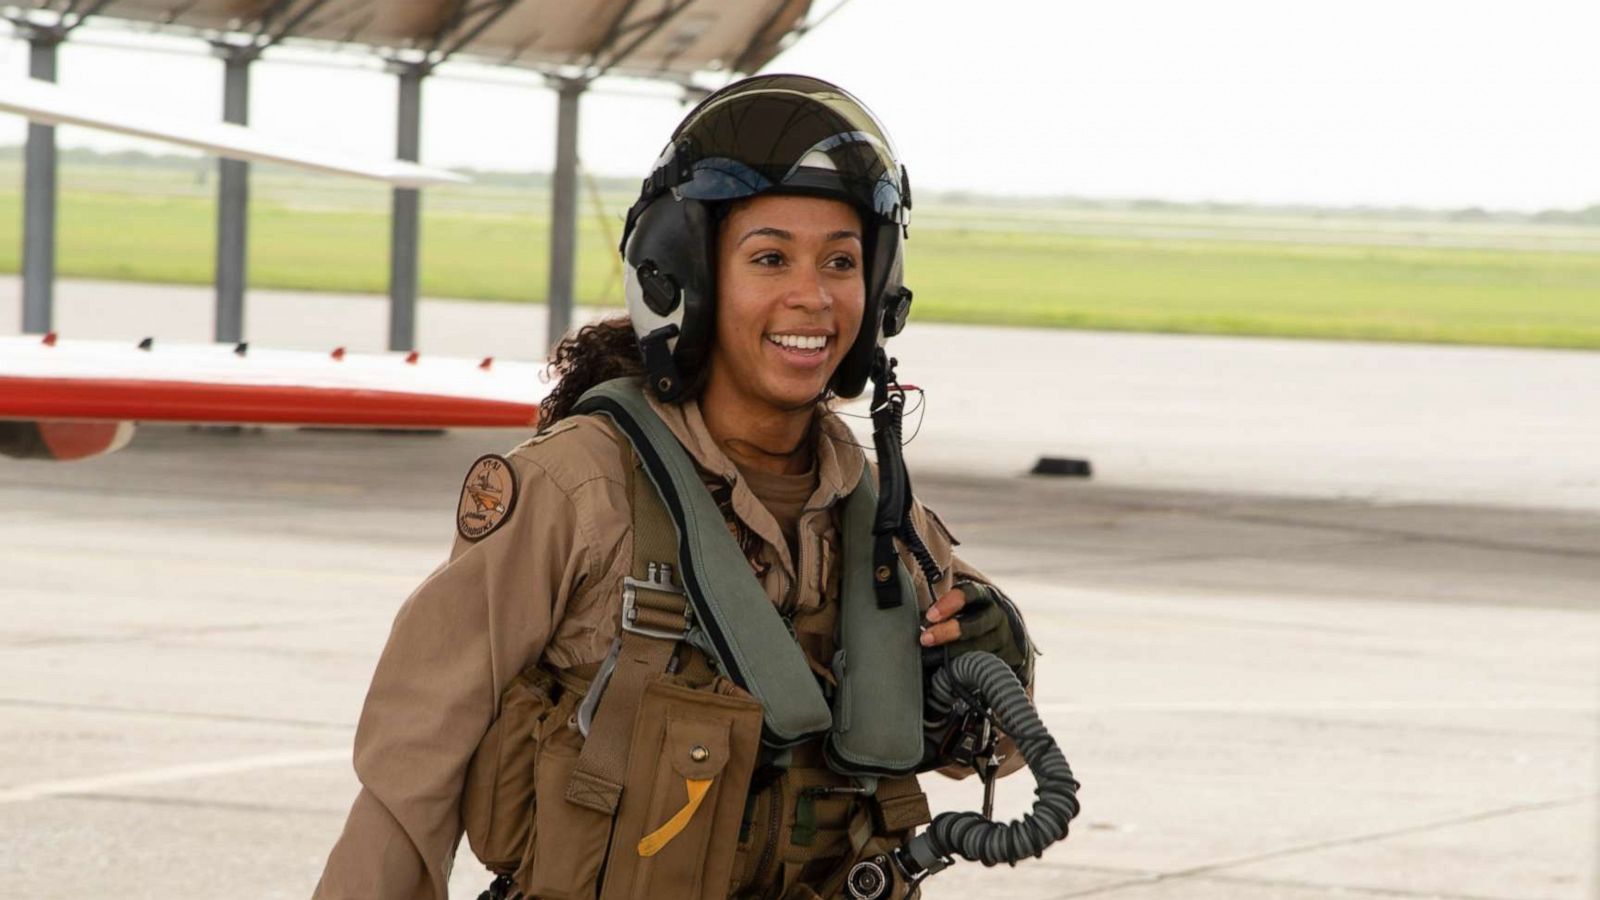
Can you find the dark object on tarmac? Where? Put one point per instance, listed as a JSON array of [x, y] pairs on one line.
[[1061, 465]]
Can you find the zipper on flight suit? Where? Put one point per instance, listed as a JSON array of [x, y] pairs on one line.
[[769, 852]]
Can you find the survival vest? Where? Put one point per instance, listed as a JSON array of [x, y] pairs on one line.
[[706, 688], [874, 726]]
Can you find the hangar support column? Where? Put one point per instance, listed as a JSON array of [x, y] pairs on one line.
[[564, 209], [39, 191], [233, 194], [406, 210]]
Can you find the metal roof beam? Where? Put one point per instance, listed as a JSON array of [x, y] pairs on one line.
[[655, 25], [295, 21], [178, 12], [758, 39], [264, 21], [614, 30], [65, 20], [488, 13]]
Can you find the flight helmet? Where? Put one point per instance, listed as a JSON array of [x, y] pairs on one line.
[[789, 134]]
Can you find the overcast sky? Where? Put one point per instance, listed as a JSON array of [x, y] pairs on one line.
[[1440, 103]]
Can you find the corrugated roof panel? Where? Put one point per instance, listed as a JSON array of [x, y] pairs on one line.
[[676, 37]]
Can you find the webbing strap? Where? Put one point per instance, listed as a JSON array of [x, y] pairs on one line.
[[746, 635], [877, 723], [860, 832], [644, 652], [900, 804]]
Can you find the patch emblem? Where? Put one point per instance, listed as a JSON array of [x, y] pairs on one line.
[[487, 497]]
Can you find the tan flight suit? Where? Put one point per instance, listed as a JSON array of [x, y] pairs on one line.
[[545, 586]]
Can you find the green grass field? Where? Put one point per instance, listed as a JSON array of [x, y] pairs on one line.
[[1018, 264]]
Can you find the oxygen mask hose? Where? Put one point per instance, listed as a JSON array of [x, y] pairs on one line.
[[969, 834]]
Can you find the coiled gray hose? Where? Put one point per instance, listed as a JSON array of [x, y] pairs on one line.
[[969, 834]]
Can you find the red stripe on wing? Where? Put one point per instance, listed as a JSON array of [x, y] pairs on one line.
[[251, 404]]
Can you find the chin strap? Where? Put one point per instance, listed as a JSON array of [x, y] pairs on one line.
[[893, 519]]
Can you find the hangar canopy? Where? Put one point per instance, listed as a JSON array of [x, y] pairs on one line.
[[654, 38]]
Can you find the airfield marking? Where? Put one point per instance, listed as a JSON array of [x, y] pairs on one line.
[[168, 774], [180, 714]]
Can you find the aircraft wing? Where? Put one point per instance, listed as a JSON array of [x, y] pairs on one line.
[[49, 104], [86, 393]]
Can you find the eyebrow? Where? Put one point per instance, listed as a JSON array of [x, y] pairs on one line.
[[780, 234]]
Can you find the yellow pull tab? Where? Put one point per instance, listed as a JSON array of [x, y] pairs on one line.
[[652, 843]]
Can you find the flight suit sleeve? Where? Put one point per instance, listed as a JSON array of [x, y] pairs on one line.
[[472, 626]]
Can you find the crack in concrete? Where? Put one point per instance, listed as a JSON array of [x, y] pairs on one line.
[[193, 803]]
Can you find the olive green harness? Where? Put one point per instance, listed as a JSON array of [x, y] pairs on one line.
[[874, 726]]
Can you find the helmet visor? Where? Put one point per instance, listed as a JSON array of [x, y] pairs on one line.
[[787, 133]]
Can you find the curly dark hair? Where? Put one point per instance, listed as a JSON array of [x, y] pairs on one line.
[[599, 351]]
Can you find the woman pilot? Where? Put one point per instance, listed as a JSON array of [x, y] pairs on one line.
[[577, 708]]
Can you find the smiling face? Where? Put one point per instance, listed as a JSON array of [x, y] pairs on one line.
[[790, 296]]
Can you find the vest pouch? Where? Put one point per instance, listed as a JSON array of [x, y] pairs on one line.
[[497, 799], [562, 861], [688, 773]]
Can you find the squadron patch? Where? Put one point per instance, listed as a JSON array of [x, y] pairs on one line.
[[487, 497]]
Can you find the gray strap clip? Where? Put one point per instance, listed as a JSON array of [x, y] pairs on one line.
[[658, 579]]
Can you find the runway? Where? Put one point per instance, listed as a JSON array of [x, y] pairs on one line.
[[1372, 671]]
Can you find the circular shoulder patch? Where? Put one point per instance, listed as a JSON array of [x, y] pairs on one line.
[[487, 497]]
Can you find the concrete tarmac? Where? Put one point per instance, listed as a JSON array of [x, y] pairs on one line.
[[1324, 624], [1263, 697]]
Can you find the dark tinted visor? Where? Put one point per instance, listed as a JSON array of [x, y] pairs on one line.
[[787, 132]]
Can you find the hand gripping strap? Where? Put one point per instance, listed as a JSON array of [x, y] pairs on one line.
[[750, 643]]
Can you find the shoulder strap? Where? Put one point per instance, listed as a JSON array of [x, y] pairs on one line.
[[655, 617], [742, 630], [877, 722]]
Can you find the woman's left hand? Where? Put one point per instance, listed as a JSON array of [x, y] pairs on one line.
[[941, 617]]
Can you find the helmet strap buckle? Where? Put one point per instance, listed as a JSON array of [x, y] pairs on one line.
[[661, 373], [677, 169]]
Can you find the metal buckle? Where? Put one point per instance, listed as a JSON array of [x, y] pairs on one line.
[[658, 577]]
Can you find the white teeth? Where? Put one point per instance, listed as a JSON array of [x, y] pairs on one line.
[[799, 341]]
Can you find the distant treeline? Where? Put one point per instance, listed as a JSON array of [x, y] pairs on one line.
[[1588, 215]]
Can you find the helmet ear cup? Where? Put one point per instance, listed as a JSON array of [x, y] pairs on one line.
[[670, 250], [884, 291]]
